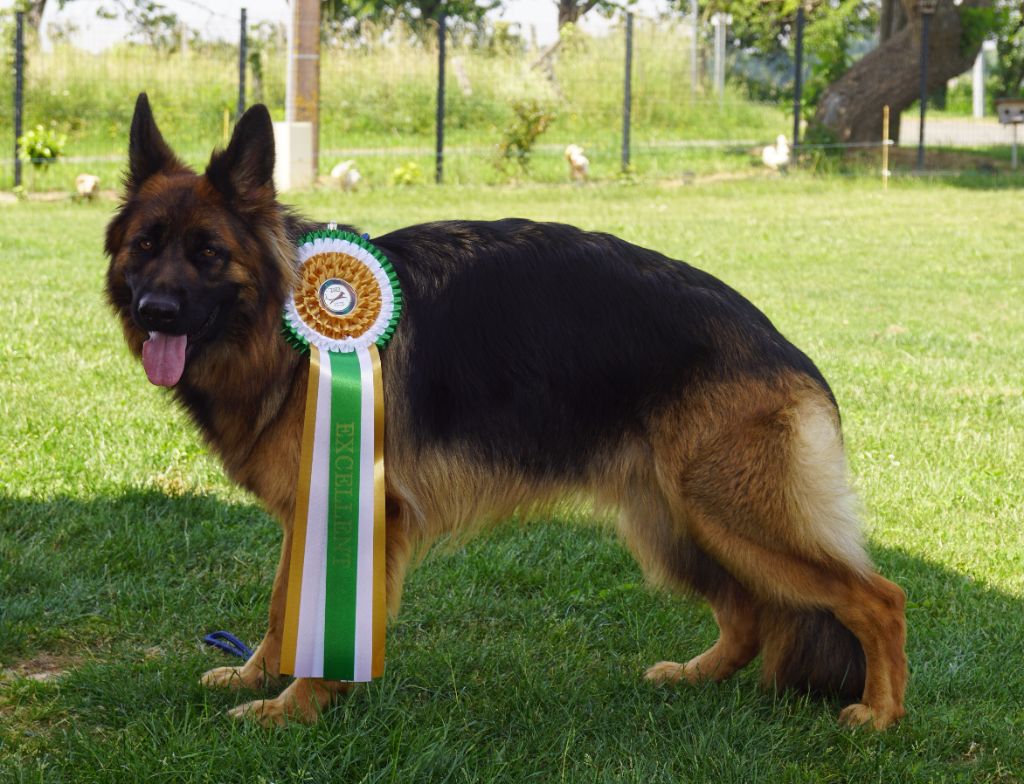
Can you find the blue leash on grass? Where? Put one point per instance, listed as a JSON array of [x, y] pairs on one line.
[[228, 643]]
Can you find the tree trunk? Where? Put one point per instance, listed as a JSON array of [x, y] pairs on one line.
[[851, 108], [34, 14], [891, 19], [569, 11]]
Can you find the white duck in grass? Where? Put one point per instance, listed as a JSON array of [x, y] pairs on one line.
[[776, 157], [346, 175]]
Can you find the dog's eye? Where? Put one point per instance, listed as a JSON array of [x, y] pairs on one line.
[[209, 253], [145, 244]]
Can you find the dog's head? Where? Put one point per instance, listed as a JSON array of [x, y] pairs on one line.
[[198, 262]]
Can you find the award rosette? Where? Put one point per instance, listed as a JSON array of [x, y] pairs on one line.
[[344, 308]]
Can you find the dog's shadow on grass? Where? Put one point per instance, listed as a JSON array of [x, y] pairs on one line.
[[520, 623]]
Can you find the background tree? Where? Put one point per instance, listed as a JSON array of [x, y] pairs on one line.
[[418, 15], [33, 10], [761, 38], [850, 109], [151, 21], [1008, 22], [570, 11]]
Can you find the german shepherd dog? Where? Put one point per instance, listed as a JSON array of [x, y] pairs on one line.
[[533, 362]]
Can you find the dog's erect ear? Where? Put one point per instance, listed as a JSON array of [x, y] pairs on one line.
[[148, 153], [246, 168]]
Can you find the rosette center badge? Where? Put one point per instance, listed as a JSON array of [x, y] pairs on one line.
[[337, 297]]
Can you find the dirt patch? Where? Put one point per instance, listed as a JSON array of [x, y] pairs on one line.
[[43, 667], [905, 159], [7, 197]]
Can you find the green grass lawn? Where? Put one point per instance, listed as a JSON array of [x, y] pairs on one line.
[[519, 658]]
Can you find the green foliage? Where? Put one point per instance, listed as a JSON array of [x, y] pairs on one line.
[[151, 21], [531, 118], [408, 173], [417, 15], [42, 145], [762, 37], [828, 39], [504, 38], [1009, 66], [976, 24]]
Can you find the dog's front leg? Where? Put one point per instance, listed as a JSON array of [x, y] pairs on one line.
[[265, 663]]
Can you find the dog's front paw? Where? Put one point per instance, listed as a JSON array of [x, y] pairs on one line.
[[244, 677], [858, 714]]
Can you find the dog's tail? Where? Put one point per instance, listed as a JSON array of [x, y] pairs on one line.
[[809, 650]]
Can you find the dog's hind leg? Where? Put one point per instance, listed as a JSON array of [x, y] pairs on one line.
[[765, 493], [670, 558], [736, 646]]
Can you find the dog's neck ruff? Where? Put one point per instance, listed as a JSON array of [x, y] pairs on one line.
[[345, 306]]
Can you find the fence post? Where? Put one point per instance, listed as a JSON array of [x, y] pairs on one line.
[[694, 51], [927, 8], [627, 92], [19, 88], [439, 151], [720, 21], [243, 41], [798, 77]]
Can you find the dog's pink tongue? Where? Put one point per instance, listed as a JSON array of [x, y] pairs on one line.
[[163, 357]]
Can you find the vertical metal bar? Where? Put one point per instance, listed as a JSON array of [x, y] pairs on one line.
[[439, 152], [694, 51], [243, 41], [925, 24], [885, 147], [627, 92], [1013, 154], [978, 85], [19, 89], [798, 78], [720, 21]]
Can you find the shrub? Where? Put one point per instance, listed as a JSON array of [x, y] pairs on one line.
[[531, 119], [409, 173], [42, 145]]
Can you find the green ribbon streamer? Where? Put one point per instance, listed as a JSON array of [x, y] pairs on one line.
[[342, 517]]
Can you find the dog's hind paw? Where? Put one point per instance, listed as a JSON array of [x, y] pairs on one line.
[[858, 714], [243, 677], [665, 672]]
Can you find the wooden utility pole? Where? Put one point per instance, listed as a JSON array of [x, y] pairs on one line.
[[302, 98]]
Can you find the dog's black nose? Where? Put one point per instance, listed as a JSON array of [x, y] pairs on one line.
[[158, 311]]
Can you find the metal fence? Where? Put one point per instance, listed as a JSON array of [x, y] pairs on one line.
[[653, 97]]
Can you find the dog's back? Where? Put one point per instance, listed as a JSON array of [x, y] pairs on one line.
[[540, 344]]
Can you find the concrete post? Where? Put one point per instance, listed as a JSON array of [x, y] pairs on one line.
[[302, 96]]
